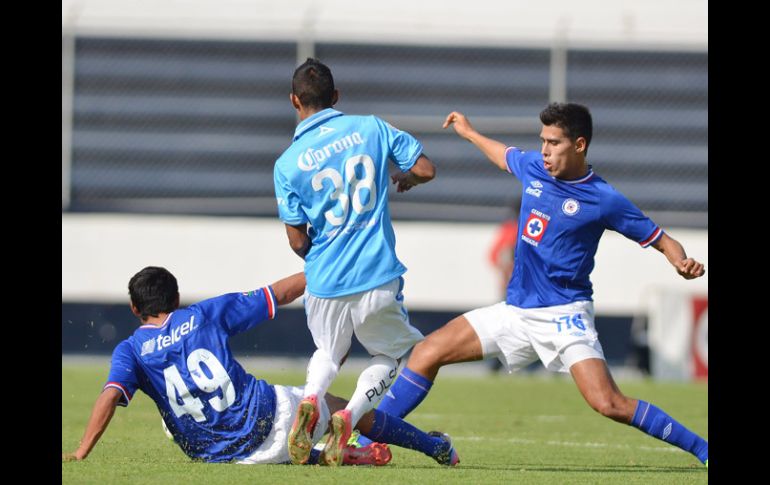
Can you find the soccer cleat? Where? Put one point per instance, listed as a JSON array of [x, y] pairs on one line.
[[353, 440], [339, 434], [376, 454], [301, 434], [449, 456]]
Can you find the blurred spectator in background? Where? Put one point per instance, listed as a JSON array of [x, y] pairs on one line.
[[501, 256]]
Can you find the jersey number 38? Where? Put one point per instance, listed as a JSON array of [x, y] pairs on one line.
[[353, 184]]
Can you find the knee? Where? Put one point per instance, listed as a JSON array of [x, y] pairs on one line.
[[614, 407], [426, 352]]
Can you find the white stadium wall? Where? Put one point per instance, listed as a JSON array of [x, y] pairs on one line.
[[448, 266], [658, 24]]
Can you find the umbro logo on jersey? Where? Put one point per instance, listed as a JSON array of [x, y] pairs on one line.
[[536, 189], [311, 158], [324, 130]]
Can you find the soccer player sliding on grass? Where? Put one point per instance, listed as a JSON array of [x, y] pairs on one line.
[[548, 313], [214, 409]]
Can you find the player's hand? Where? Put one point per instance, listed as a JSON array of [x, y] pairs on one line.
[[402, 181], [70, 457], [460, 123], [690, 269]]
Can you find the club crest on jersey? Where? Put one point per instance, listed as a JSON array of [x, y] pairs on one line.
[[570, 207], [535, 227]]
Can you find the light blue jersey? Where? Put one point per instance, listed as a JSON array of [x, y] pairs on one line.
[[214, 409], [335, 177]]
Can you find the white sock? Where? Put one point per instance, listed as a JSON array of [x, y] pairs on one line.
[[321, 371], [372, 385]]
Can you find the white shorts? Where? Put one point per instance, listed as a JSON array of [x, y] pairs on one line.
[[377, 317], [558, 335], [275, 448]]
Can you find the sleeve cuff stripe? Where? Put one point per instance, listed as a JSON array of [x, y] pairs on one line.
[[507, 167], [270, 298], [655, 236], [126, 395]]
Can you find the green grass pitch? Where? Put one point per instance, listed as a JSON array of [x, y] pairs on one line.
[[507, 429]]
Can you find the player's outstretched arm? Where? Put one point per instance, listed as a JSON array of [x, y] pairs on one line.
[[688, 268], [101, 415], [289, 289], [422, 171], [493, 149]]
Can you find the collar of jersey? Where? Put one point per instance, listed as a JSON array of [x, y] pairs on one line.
[[161, 326], [582, 179], [309, 123]]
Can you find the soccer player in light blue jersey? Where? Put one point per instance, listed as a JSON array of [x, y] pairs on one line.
[[548, 313], [214, 409], [331, 186]]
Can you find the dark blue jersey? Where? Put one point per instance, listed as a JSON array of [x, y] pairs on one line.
[[560, 225], [215, 410]]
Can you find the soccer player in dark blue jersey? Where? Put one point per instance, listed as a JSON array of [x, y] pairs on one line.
[[548, 313], [214, 409]]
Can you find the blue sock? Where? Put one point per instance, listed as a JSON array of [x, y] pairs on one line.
[[314, 456], [363, 440], [404, 395], [656, 423], [395, 431]]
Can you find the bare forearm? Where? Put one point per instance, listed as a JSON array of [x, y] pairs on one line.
[[289, 289], [302, 247], [299, 241], [422, 171], [493, 149], [104, 409], [671, 249], [688, 268]]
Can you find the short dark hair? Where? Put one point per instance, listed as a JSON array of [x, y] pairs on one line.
[[153, 290], [313, 84], [573, 118]]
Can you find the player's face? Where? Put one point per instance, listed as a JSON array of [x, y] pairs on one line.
[[561, 159]]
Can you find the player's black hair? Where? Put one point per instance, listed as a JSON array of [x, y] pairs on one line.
[[313, 84], [153, 290], [573, 118]]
